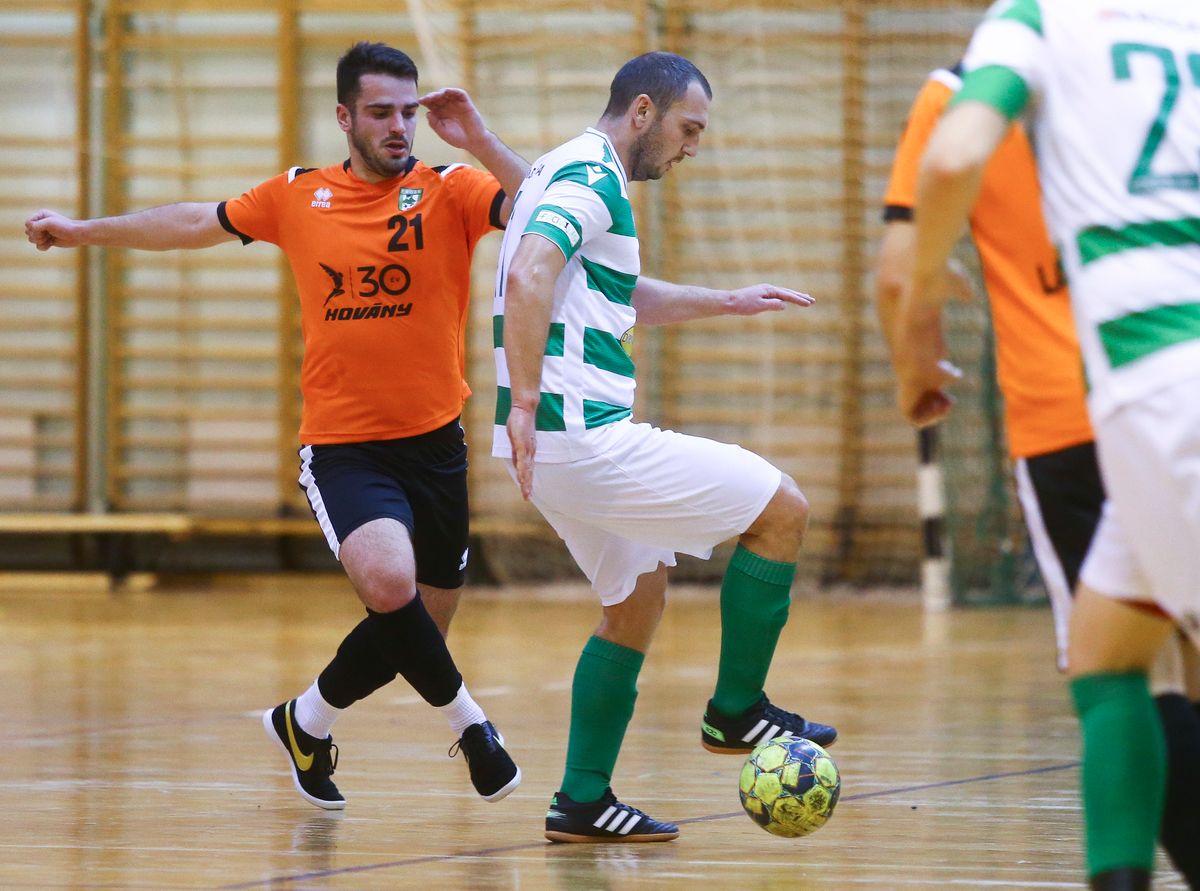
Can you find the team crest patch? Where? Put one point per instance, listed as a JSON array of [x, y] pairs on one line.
[[627, 343], [410, 197]]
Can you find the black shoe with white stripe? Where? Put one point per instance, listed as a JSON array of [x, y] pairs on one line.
[[606, 820], [738, 734]]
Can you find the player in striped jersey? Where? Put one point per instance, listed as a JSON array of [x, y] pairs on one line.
[[1041, 377], [626, 497], [1115, 93]]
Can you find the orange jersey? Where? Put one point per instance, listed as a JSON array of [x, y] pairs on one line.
[[383, 274], [1039, 367]]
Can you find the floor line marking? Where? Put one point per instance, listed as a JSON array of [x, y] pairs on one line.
[[527, 846]]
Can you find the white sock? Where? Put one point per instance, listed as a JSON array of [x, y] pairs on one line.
[[314, 715], [462, 711]]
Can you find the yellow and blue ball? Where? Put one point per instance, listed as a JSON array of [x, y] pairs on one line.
[[789, 786]]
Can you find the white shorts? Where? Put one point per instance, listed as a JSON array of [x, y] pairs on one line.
[[650, 494], [1147, 546]]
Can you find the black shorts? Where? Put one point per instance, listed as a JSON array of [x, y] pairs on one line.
[[1069, 495], [421, 481]]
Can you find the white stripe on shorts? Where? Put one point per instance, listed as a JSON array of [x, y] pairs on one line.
[[309, 483], [1053, 574]]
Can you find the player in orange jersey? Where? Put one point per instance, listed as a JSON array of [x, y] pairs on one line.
[[380, 247], [1040, 374], [1037, 352]]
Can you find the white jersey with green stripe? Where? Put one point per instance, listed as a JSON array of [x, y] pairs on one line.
[[1114, 92], [576, 197]]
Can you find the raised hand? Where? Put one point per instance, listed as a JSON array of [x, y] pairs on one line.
[[453, 117]]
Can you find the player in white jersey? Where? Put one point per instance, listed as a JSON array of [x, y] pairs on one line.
[[1114, 89], [627, 497]]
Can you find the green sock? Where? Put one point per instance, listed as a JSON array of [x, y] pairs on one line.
[[1124, 769], [755, 594], [602, 698]]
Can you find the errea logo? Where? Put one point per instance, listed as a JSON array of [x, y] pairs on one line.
[[322, 196]]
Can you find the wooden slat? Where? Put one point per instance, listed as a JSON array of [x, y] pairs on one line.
[[176, 42], [201, 382], [193, 324], [184, 471], [193, 140], [34, 353], [192, 170], [189, 352], [25, 523], [189, 413]]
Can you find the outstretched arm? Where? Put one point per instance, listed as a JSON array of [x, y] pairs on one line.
[[662, 303], [528, 300], [453, 116], [165, 228]]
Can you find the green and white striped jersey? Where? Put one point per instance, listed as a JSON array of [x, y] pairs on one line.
[[577, 197], [1114, 90]]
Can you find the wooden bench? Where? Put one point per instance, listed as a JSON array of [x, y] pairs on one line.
[[114, 532]]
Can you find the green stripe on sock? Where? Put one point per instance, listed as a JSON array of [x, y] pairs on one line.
[[603, 694], [755, 595], [1124, 770]]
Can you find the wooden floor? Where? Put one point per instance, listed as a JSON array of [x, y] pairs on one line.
[[133, 754]]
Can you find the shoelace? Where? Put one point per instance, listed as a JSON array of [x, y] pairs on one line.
[[457, 746], [633, 810], [776, 715], [326, 759]]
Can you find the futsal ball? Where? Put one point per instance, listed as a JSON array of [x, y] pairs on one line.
[[789, 786]]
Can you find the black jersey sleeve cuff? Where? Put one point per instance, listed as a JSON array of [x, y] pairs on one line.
[[494, 213], [897, 213], [228, 226]]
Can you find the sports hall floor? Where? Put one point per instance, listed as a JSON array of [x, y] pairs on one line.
[[134, 757]]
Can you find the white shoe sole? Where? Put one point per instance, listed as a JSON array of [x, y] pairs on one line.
[[269, 726], [512, 784]]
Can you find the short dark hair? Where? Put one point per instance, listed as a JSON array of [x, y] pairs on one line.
[[370, 58], [664, 77]]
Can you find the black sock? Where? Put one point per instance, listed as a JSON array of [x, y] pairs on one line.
[[404, 642], [411, 645], [356, 671], [1181, 812]]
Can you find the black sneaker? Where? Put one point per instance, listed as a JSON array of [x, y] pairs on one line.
[[606, 820], [762, 721], [312, 760], [493, 772]]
